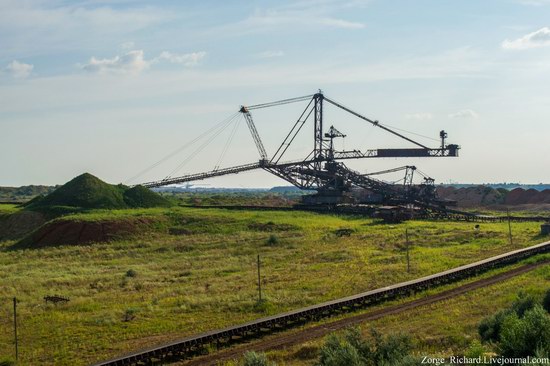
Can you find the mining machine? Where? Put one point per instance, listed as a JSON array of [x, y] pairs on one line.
[[323, 170]]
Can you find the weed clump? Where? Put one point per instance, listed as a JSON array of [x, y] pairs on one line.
[[131, 273], [129, 314], [256, 359], [343, 232], [264, 306], [272, 240]]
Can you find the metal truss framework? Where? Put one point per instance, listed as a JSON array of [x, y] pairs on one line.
[[321, 170]]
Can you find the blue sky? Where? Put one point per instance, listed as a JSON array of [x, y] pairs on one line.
[[110, 87]]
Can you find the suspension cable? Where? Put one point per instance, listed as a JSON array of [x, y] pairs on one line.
[[412, 133], [375, 123], [299, 124], [183, 147], [201, 147], [279, 102], [228, 143]]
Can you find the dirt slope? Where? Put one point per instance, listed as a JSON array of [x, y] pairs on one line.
[[70, 232]]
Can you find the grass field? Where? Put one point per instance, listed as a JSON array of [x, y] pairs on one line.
[[438, 330], [196, 270]]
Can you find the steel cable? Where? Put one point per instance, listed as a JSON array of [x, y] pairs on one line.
[[183, 147]]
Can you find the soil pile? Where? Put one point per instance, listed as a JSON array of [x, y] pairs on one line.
[[487, 196], [473, 196], [71, 232], [521, 196], [20, 223]]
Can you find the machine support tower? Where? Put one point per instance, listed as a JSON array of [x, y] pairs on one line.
[[318, 127]]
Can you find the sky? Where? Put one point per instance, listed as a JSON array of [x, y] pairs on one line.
[[125, 89]]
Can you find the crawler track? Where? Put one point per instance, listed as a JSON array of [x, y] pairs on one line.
[[192, 345]]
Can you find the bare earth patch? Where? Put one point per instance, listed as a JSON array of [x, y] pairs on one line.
[[69, 232]]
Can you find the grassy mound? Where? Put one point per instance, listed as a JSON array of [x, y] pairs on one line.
[[89, 192], [85, 191], [140, 196]]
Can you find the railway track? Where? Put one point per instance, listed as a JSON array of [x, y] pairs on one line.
[[192, 345], [290, 339]]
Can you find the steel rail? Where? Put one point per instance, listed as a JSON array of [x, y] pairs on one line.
[[189, 346]]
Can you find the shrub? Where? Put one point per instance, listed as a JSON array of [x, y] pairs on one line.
[[520, 337], [489, 327], [338, 352], [354, 337], [353, 349], [256, 359], [523, 303], [389, 350]]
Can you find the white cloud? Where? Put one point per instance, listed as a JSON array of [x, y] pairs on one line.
[[19, 69], [539, 38], [420, 116], [130, 63], [464, 114], [187, 59], [133, 62], [450, 65], [270, 54]]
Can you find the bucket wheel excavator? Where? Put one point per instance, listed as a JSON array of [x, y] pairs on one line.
[[323, 170]]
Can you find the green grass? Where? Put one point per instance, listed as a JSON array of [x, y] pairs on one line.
[[203, 275], [236, 198], [8, 209], [441, 329]]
